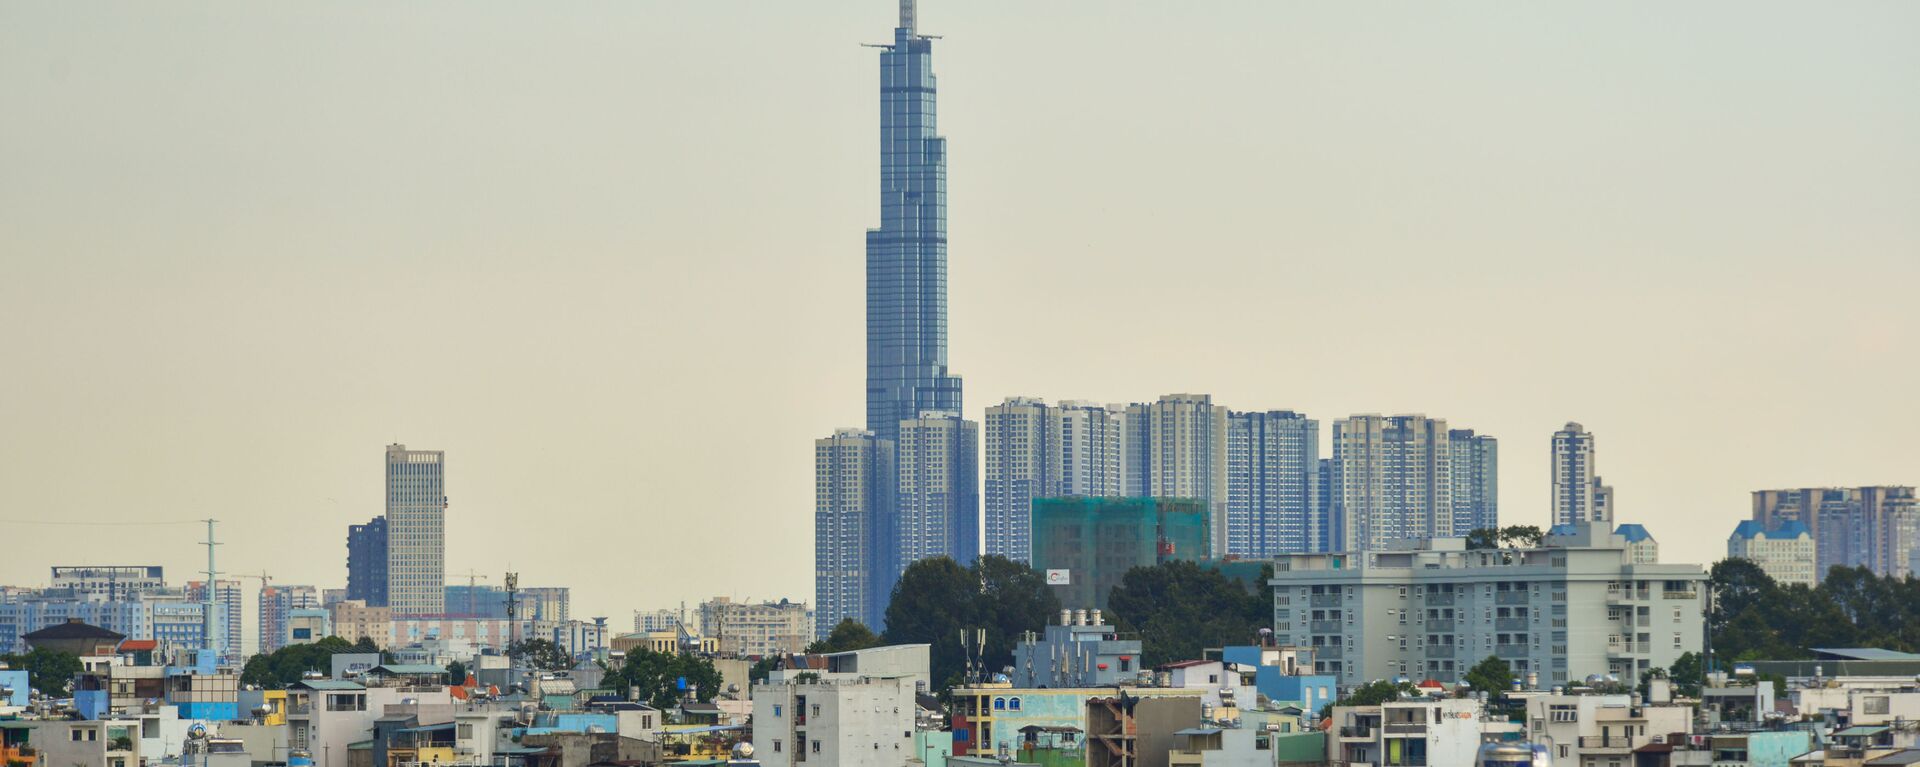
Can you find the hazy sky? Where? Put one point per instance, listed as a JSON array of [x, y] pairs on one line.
[[609, 255]]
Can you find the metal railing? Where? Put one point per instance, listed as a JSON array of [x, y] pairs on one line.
[[1688, 594], [1405, 728], [1605, 742], [1324, 600], [1510, 624], [1511, 597]]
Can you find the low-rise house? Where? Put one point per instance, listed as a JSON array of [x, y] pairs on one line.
[[1600, 729], [1411, 733]]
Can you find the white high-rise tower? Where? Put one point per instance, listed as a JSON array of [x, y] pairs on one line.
[[1578, 494], [416, 531]]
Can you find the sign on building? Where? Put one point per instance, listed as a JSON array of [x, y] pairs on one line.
[[1059, 578]]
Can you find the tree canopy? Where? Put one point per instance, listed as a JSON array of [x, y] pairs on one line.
[[48, 671], [1755, 618], [286, 665], [658, 676], [848, 635], [1492, 676], [1179, 608], [541, 654], [936, 599]]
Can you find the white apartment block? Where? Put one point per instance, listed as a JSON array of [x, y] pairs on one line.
[[1574, 607], [1176, 447], [744, 629], [1578, 493], [649, 621], [859, 711], [416, 531], [1036, 450], [1600, 730], [1785, 553], [1392, 481]]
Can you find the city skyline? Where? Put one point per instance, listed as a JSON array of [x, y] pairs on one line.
[[544, 429]]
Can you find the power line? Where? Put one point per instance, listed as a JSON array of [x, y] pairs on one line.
[[65, 523]]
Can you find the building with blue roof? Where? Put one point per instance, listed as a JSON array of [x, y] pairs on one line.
[[1642, 549], [1785, 552]]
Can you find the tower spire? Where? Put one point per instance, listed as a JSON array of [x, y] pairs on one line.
[[906, 15]]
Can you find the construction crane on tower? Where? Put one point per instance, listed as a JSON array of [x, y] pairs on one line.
[[473, 585]]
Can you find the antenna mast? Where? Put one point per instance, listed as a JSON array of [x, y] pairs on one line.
[[214, 638]]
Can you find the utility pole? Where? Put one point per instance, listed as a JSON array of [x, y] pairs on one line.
[[214, 638], [513, 611]]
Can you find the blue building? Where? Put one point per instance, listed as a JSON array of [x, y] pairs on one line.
[[1285, 674], [1081, 651], [367, 562]]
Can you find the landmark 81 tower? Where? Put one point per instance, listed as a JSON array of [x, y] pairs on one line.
[[907, 255]]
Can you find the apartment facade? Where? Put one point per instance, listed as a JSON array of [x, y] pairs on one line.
[[744, 629], [1392, 481], [1575, 606], [1475, 465], [1875, 527], [277, 604], [1578, 493], [1272, 504], [1035, 450], [1785, 553], [853, 488], [416, 531], [1176, 447]]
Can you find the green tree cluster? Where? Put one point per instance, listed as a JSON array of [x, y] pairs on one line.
[[847, 636], [1754, 618], [937, 599], [286, 665], [1511, 535], [456, 673], [1492, 676], [48, 671], [658, 676], [1180, 608], [540, 654]]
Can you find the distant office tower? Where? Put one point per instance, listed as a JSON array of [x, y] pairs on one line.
[[1393, 480], [937, 494], [110, 581], [1272, 469], [907, 254], [649, 621], [1085, 545], [416, 531], [277, 606], [1785, 552], [545, 603], [1871, 527], [367, 562], [853, 487], [226, 615], [1578, 493], [1177, 448], [1476, 481], [1036, 450]]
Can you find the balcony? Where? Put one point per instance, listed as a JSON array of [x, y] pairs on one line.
[[1324, 627], [1442, 625], [1510, 650], [1405, 728], [1440, 599], [1324, 600], [1511, 597], [1617, 594], [1687, 594], [1619, 645], [1440, 651], [1510, 624], [1357, 732], [1606, 743], [1328, 652]]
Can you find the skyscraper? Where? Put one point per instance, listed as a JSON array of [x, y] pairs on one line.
[[1036, 450], [277, 603], [1476, 481], [907, 254], [853, 487], [938, 494], [1178, 449], [1578, 493], [1392, 480], [1273, 463], [226, 615], [416, 531], [367, 562], [1876, 527]]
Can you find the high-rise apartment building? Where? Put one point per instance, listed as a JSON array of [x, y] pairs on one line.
[[416, 531], [367, 562], [1785, 553], [1476, 481], [1177, 448], [1273, 465], [1392, 480], [1036, 450], [907, 254], [937, 495], [1876, 527], [1579, 495], [277, 605], [853, 488], [743, 629], [110, 581], [226, 615]]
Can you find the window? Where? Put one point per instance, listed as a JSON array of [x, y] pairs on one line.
[[1874, 704], [776, 715], [816, 746], [776, 745]]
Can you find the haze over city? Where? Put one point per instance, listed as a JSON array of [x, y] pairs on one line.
[[609, 257]]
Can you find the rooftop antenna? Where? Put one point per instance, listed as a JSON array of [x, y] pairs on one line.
[[513, 614], [906, 15]]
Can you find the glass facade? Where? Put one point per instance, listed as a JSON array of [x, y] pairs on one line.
[[907, 254]]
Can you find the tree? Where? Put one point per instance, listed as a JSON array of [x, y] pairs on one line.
[[658, 676], [1525, 536], [365, 644], [288, 664], [848, 635], [936, 600], [1179, 608], [456, 673], [1483, 538], [541, 654], [1491, 676], [1687, 672], [762, 669], [48, 671], [1379, 691]]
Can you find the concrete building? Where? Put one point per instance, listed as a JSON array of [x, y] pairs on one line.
[[649, 621], [1575, 606], [853, 489], [937, 495], [1475, 464], [1872, 527], [110, 582], [1410, 733], [1036, 450], [1045, 725], [743, 629], [1578, 493], [1272, 477], [1176, 447], [367, 562], [1785, 553], [354, 620], [1085, 545], [479, 633], [858, 708], [277, 603], [1125, 731], [1392, 481], [325, 717], [306, 625], [1081, 650], [1642, 549], [161, 614], [226, 602], [1600, 729], [1285, 675], [416, 531]]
